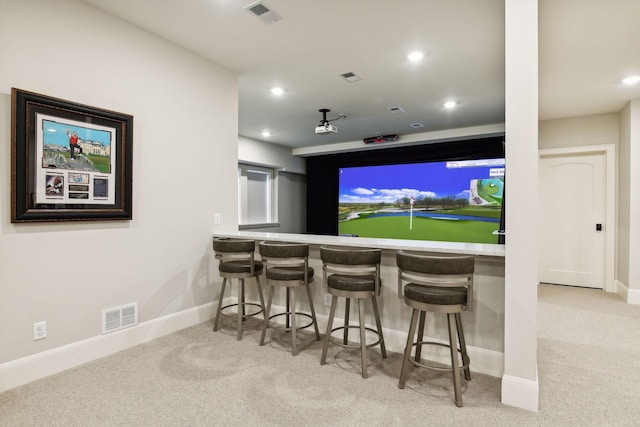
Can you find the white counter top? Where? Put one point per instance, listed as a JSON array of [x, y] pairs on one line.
[[477, 249]]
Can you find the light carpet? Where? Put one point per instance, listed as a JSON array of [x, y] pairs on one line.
[[589, 348]]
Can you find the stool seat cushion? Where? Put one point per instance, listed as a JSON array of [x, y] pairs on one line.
[[239, 266], [352, 283], [436, 295], [289, 273]]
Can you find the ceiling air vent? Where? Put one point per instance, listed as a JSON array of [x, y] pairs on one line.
[[395, 109], [416, 125], [350, 77], [263, 13]]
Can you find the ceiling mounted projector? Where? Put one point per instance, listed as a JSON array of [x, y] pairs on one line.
[[325, 128]]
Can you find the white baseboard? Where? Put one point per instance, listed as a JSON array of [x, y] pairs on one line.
[[27, 369], [520, 392], [621, 289], [631, 296]]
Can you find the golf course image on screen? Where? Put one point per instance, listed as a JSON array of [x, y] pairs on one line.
[[455, 201]]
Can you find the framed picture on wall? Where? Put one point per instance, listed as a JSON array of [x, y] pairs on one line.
[[70, 162]]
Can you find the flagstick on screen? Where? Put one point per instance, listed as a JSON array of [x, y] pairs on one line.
[[411, 216]]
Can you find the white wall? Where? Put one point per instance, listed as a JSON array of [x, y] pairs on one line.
[[520, 380], [628, 246], [634, 201], [624, 182], [265, 154], [67, 273], [596, 129]]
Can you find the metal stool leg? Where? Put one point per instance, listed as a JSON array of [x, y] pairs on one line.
[[463, 347], [363, 338], [313, 312], [407, 350], [376, 313], [455, 364], [287, 316], [260, 294], [325, 345], [347, 306], [240, 308], [266, 316], [220, 298], [293, 323], [423, 315]]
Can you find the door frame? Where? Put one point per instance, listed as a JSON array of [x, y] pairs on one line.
[[608, 151]]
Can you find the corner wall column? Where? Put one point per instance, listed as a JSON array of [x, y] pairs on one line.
[[520, 380]]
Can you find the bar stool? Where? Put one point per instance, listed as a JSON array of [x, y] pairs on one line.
[[287, 265], [352, 273], [442, 285], [237, 261]]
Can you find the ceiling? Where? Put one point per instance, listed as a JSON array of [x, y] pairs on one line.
[[585, 48]]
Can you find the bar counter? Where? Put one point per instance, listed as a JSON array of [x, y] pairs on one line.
[[476, 249], [484, 326]]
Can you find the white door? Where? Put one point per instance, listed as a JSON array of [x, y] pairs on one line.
[[572, 220]]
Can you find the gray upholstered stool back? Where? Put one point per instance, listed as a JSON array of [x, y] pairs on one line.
[[431, 270], [228, 245], [236, 257], [349, 261], [350, 255], [284, 259], [283, 249]]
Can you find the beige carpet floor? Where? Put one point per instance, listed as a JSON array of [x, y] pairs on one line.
[[589, 359]]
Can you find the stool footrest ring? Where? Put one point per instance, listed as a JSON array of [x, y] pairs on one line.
[[334, 340], [297, 313], [437, 368], [244, 316]]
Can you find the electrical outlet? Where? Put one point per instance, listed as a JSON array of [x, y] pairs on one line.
[[39, 330], [217, 218], [327, 299]]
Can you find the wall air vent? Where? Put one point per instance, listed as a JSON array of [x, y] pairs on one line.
[[263, 12], [116, 318]]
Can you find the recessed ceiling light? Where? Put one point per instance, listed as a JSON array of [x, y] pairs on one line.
[[277, 91], [631, 80], [450, 104], [415, 56], [266, 133]]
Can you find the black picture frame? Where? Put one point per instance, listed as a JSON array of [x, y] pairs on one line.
[[69, 161]]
